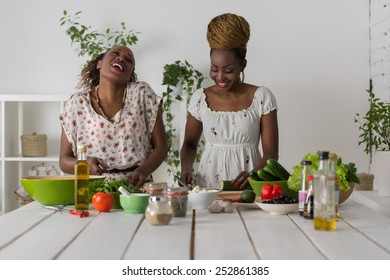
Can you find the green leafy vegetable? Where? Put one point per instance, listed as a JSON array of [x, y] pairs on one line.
[[112, 186], [345, 172]]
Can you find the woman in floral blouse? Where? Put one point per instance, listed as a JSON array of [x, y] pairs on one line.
[[118, 118]]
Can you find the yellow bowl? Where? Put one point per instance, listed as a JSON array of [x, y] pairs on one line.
[[52, 190], [258, 185]]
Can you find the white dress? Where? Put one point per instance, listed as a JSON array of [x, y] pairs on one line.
[[232, 138]]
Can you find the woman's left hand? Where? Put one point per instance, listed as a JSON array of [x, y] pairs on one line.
[[241, 180]]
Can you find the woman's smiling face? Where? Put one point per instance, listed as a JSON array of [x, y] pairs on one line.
[[118, 63], [225, 68]]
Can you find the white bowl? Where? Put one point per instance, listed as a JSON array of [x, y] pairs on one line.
[[202, 200], [281, 209]]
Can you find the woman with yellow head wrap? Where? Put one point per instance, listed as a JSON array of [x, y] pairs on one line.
[[233, 116]]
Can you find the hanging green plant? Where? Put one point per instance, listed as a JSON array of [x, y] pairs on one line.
[[183, 74], [90, 42]]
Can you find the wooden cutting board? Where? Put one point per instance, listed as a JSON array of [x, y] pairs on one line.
[[229, 195]]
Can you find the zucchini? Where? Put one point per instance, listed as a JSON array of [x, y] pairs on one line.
[[266, 176], [278, 169]]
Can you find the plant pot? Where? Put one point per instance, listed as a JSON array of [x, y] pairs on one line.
[[343, 195], [381, 163]]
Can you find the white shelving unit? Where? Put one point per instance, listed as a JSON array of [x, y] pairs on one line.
[[24, 115]]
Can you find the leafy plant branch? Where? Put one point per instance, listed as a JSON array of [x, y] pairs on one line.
[[91, 42], [180, 73], [374, 126]]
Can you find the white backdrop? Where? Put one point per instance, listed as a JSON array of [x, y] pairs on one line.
[[314, 56]]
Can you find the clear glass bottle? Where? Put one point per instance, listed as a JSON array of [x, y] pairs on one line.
[[158, 211], [308, 211], [302, 193], [332, 167], [81, 180], [324, 195], [177, 199]]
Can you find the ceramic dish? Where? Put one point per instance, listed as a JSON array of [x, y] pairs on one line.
[[279, 209]]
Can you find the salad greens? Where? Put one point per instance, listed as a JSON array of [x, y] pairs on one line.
[[345, 172], [112, 186]]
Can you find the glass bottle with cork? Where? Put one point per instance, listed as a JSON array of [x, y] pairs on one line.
[[302, 193], [81, 180], [324, 195]]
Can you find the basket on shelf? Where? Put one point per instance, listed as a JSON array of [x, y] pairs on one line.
[[34, 145], [366, 182]]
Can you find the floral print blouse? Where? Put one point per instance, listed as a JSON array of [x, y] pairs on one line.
[[121, 144]]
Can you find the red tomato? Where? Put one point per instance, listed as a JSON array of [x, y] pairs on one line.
[[276, 190], [266, 192], [102, 201]]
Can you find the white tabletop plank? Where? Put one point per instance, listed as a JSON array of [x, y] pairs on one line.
[[106, 237], [372, 225], [164, 242], [374, 201], [48, 238], [221, 236], [277, 237], [345, 243], [15, 223]]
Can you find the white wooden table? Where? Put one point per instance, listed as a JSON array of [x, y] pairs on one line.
[[32, 232]]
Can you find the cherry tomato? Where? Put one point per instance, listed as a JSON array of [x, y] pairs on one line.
[[102, 201], [276, 190], [266, 192]]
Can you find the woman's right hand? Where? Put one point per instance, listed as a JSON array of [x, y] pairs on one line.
[[96, 166], [186, 177]]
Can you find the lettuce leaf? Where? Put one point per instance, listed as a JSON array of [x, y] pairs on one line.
[[345, 172]]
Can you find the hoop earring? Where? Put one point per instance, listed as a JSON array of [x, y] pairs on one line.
[[243, 77]]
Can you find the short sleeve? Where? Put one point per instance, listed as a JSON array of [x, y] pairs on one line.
[[194, 104], [268, 101]]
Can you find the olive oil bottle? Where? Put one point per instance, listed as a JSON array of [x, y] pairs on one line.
[[324, 195], [81, 180]]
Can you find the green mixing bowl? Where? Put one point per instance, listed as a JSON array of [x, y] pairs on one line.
[[52, 190], [258, 185], [134, 203]]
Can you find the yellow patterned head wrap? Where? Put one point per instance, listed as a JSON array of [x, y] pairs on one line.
[[228, 31]]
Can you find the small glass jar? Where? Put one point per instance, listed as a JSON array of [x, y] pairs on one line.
[[155, 188], [158, 211], [177, 199]]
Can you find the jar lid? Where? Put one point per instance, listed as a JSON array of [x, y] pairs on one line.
[[157, 198], [176, 191], [154, 187]]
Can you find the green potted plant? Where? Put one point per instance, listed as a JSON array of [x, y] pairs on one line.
[[374, 129], [183, 78]]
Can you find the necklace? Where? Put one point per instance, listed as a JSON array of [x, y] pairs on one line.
[[111, 120]]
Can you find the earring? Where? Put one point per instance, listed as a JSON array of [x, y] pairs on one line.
[[243, 77]]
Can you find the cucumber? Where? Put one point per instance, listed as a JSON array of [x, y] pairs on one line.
[[269, 170], [266, 176], [253, 175], [278, 169], [227, 185]]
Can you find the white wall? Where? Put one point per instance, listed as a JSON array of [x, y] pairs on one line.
[[314, 56]]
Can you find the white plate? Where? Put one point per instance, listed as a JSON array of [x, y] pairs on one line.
[[281, 209]]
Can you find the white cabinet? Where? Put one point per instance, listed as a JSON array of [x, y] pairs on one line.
[[24, 115]]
